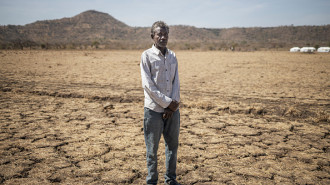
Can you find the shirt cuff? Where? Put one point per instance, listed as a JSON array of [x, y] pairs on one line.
[[166, 103]]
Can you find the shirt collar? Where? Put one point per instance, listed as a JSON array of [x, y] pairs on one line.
[[157, 51]]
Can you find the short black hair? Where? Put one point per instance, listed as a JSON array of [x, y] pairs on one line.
[[160, 24]]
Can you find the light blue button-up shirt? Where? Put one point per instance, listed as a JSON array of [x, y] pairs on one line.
[[160, 78]]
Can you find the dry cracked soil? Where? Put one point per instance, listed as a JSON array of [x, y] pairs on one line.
[[75, 117]]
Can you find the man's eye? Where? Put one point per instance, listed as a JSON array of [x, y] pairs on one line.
[[159, 35]]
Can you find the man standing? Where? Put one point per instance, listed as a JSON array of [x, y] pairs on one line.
[[160, 81]]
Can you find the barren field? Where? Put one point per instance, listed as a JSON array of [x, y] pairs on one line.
[[75, 117]]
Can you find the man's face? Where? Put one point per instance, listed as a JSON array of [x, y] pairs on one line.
[[160, 37]]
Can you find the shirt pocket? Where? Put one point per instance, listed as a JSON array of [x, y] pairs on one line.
[[156, 64]]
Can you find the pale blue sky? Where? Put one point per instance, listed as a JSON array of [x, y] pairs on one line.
[[199, 13]]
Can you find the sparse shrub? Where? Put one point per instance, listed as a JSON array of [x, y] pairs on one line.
[[95, 44]]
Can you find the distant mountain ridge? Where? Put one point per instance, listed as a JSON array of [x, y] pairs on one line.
[[96, 29]]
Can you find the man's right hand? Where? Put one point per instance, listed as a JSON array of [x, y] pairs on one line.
[[167, 113], [173, 105]]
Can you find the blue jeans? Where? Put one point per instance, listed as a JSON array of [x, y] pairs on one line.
[[154, 127]]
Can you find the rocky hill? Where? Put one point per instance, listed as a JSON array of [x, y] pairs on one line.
[[100, 30]]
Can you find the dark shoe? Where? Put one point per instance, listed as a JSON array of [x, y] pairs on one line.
[[172, 182]]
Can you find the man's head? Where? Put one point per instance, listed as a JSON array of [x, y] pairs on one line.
[[159, 33]]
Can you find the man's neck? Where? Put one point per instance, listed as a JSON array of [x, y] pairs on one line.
[[162, 49]]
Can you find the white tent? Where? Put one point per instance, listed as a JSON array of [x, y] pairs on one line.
[[323, 49], [295, 49], [307, 49]]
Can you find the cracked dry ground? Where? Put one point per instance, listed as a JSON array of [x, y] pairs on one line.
[[75, 117]]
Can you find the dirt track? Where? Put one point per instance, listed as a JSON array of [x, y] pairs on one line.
[[75, 117]]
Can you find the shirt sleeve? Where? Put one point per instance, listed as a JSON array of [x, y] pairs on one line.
[[149, 86], [176, 84]]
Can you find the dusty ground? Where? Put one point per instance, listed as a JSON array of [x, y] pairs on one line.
[[75, 117]]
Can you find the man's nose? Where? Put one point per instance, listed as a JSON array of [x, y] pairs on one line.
[[163, 37]]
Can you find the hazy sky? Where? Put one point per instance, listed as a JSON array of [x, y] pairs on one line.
[[199, 13]]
